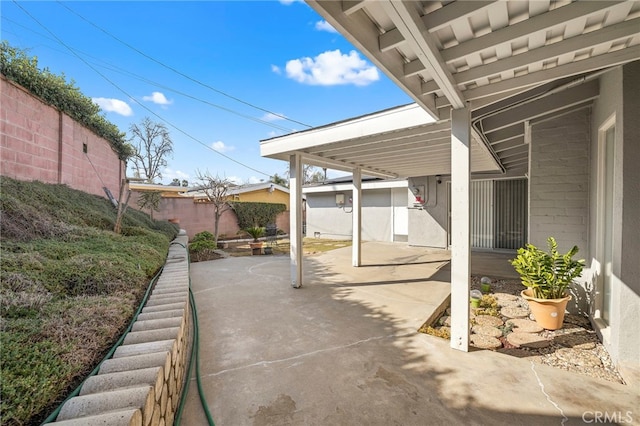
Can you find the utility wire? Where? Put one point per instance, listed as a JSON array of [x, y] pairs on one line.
[[179, 72], [135, 100], [115, 68]]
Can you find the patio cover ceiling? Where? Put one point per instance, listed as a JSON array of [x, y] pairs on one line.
[[513, 62]]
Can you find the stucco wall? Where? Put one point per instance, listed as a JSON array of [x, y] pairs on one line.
[[428, 224], [618, 99], [559, 181], [38, 142], [331, 221]]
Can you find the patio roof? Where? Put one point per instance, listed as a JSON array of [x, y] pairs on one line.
[[512, 62]]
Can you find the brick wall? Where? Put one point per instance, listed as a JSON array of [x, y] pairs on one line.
[[559, 181], [38, 142]]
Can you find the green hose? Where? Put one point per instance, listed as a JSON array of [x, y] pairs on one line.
[[195, 355], [76, 391]]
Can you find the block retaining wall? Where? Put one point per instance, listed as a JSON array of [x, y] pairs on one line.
[[141, 384]]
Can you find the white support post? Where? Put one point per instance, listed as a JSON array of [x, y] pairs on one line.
[[295, 219], [356, 242], [460, 227]]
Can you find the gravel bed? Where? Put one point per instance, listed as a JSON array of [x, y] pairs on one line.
[[575, 347]]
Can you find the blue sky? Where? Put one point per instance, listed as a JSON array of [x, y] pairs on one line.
[[221, 75]]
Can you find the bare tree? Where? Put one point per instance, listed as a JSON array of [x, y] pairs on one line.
[[150, 199], [310, 174], [215, 189], [123, 204], [152, 145]]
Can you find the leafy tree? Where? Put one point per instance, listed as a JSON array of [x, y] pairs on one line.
[[150, 200], [185, 183], [310, 174], [152, 145], [279, 180], [175, 182], [215, 189]]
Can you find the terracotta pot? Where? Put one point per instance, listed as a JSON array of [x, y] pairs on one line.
[[549, 313], [256, 247]]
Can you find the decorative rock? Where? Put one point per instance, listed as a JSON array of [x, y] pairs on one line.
[[525, 325], [489, 320], [578, 357], [505, 297], [514, 312], [484, 342], [527, 340], [486, 330], [445, 320]]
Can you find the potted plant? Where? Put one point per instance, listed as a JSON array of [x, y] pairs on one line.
[[255, 232], [547, 275]]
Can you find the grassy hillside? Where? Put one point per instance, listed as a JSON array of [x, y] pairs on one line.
[[68, 288]]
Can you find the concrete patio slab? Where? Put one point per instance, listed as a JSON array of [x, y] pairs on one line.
[[344, 350]]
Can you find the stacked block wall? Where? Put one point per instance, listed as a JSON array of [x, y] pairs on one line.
[[38, 142], [141, 384]]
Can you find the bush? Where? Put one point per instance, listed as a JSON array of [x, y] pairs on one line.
[[256, 214]]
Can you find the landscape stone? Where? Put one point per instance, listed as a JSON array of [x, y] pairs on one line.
[[514, 312], [489, 320], [486, 330], [527, 340], [525, 325], [485, 342]]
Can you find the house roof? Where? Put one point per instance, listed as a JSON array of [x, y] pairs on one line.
[[241, 189], [512, 62]]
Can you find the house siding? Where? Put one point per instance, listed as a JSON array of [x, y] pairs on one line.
[[38, 142], [559, 181], [618, 96]]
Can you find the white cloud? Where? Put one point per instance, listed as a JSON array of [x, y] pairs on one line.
[[289, 2], [221, 147], [254, 179], [157, 98], [273, 117], [276, 69], [114, 105], [332, 68], [240, 181], [169, 174], [325, 26]]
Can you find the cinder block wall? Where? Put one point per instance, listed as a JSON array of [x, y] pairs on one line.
[[38, 142], [141, 384], [559, 182], [198, 217]]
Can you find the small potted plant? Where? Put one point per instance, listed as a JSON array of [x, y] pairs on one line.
[[255, 232], [547, 275]]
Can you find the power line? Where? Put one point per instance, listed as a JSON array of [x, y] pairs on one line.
[[115, 68], [135, 100], [181, 73]]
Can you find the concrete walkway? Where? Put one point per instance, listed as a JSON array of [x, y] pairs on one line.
[[343, 350]]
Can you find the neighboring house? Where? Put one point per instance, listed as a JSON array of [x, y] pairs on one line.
[[384, 209], [537, 100]]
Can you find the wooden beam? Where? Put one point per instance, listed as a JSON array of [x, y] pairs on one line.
[[541, 107], [442, 17], [536, 24], [356, 243], [295, 219], [460, 227], [611, 59], [606, 35]]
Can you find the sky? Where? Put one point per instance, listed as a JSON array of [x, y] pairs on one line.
[[220, 75]]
